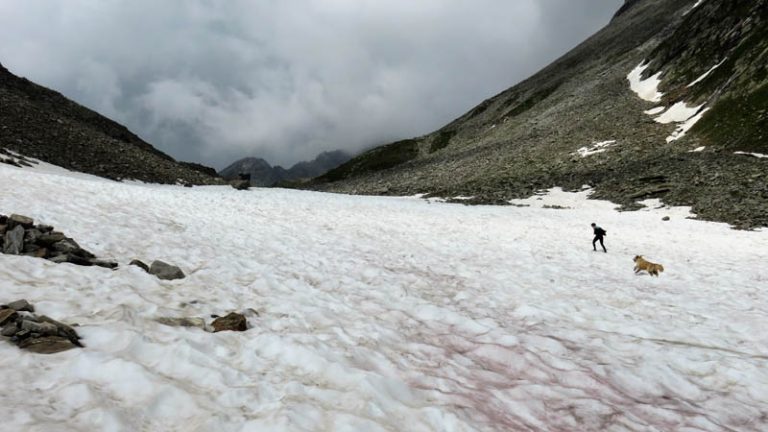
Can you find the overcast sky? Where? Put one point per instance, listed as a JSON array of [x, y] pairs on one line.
[[212, 81]]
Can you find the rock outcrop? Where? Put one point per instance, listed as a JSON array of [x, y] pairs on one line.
[[165, 271], [36, 333], [20, 236], [233, 321]]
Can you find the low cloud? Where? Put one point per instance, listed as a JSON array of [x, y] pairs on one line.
[[212, 81]]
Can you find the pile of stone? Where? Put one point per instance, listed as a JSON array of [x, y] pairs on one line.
[[20, 236], [35, 333]]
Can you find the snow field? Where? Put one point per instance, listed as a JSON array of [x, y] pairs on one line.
[[385, 314]]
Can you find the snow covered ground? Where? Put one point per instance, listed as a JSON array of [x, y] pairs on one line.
[[385, 314]]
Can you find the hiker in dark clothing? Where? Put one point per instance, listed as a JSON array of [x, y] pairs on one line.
[[599, 234]]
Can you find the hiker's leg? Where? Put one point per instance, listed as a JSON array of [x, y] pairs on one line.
[[594, 240], [601, 244]]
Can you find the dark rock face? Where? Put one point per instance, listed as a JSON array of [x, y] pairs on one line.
[[42, 124], [261, 173], [526, 138], [165, 271], [232, 322]]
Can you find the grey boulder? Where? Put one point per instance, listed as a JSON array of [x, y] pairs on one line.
[[165, 271], [14, 241], [23, 221], [21, 306]]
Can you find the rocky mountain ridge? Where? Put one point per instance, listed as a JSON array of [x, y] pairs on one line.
[[264, 174], [697, 141], [41, 123]]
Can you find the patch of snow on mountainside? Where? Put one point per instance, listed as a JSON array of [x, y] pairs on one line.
[[595, 148], [757, 155], [647, 89], [685, 126], [384, 314], [655, 110], [678, 113], [706, 74]]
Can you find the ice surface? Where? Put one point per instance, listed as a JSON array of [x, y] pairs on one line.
[[385, 314], [647, 89]]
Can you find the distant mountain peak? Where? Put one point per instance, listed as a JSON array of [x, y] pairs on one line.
[[264, 174]]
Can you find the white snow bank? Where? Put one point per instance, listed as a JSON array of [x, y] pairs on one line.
[[655, 110], [707, 73], [384, 314], [647, 89], [697, 4], [685, 116], [684, 127], [757, 155], [595, 148], [698, 149], [678, 113]]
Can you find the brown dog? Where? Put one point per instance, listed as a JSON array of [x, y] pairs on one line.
[[652, 268]]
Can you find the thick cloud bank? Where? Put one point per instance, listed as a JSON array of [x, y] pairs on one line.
[[213, 80]]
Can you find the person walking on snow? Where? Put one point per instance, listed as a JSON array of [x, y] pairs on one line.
[[599, 234]]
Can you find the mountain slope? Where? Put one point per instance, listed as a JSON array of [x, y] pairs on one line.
[[263, 174], [578, 122], [43, 124]]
